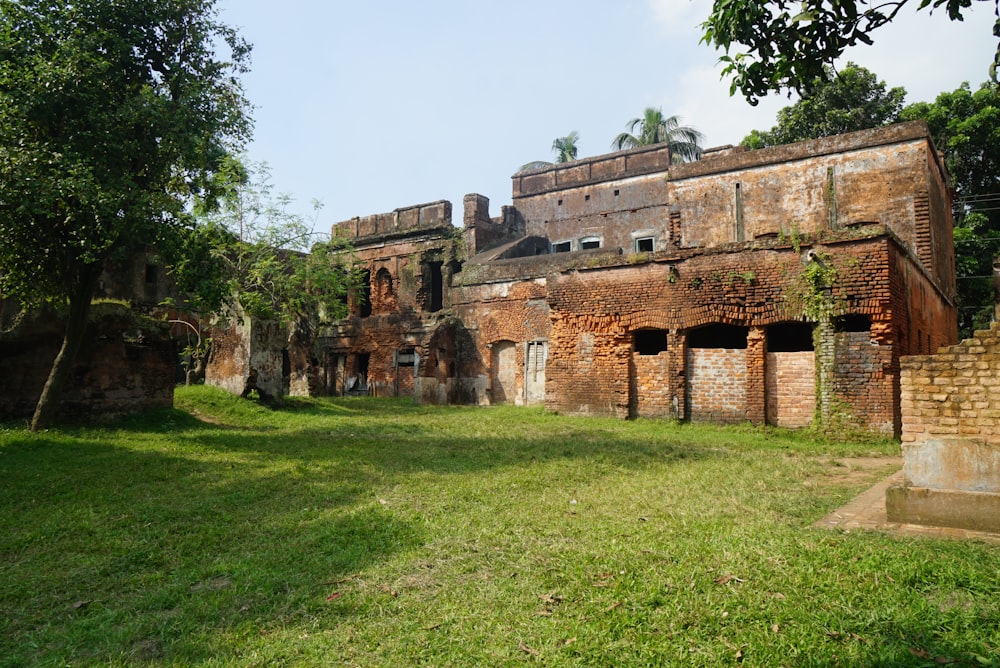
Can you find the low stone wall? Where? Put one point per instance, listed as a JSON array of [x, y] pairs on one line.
[[951, 437], [126, 364]]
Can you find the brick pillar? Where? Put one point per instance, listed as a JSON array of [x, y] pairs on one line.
[[825, 347], [677, 347], [756, 359]]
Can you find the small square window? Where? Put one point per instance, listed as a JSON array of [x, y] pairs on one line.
[[617, 192], [562, 247], [586, 198], [645, 245], [559, 203]]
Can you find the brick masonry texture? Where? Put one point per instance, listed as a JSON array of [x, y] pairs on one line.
[[951, 437], [955, 392], [126, 364], [791, 388]]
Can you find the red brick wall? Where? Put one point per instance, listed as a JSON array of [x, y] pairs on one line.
[[865, 381], [717, 383], [651, 386], [791, 389]]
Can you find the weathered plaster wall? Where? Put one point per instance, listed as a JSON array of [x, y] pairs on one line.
[[248, 355]]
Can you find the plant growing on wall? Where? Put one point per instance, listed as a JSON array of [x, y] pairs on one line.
[[816, 281], [813, 290]]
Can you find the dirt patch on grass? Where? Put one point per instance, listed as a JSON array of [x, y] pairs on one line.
[[847, 470]]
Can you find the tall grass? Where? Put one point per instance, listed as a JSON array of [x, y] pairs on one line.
[[378, 533]]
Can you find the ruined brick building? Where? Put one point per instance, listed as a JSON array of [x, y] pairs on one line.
[[767, 286]]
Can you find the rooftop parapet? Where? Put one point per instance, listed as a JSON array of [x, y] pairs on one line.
[[399, 222], [611, 166]]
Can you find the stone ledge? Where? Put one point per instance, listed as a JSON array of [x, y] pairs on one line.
[[977, 511]]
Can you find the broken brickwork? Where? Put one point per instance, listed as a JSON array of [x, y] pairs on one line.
[[126, 364], [409, 256]]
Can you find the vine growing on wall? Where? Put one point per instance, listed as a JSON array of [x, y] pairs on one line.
[[813, 290]]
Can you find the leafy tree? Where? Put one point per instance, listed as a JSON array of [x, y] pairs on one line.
[[655, 128], [112, 115], [965, 125], [565, 149], [251, 250], [775, 45], [251, 255], [853, 99]]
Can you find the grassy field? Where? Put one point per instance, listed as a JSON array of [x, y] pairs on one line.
[[378, 533]]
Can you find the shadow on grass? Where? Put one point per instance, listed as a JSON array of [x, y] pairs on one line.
[[169, 545]]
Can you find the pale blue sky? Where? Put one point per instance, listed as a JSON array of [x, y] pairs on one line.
[[370, 106]]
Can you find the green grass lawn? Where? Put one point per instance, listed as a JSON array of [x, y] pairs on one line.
[[378, 533]]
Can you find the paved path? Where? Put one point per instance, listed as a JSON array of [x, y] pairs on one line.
[[867, 512]]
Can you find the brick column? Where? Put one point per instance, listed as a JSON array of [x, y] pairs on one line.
[[756, 359], [825, 347], [677, 347]]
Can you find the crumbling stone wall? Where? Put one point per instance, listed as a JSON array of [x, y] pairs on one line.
[[596, 312], [411, 257], [126, 364], [612, 198], [513, 312]]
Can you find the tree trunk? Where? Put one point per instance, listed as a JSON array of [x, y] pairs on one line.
[[47, 407]]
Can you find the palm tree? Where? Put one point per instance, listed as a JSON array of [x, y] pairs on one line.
[[565, 149], [655, 128]]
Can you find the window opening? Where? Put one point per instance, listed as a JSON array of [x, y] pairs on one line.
[[644, 245], [649, 341], [718, 336], [358, 382], [790, 337], [589, 243], [364, 296], [406, 357], [586, 198], [853, 322], [562, 247], [436, 297], [151, 273]]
